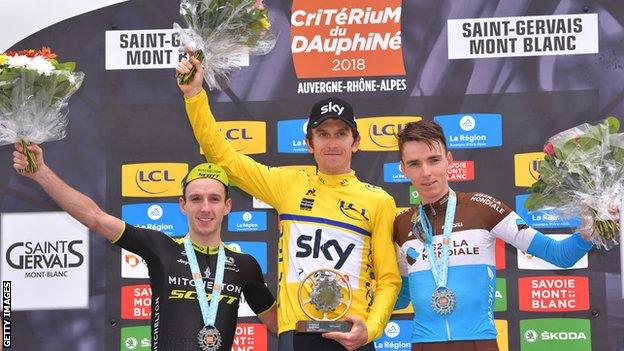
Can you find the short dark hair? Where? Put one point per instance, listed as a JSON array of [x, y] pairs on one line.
[[425, 131]]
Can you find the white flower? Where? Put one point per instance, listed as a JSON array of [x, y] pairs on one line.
[[37, 63], [41, 65], [18, 61]]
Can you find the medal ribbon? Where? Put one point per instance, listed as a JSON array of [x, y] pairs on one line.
[[208, 310], [439, 266]]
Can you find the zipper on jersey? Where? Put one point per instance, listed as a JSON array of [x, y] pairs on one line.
[[433, 211], [448, 328]]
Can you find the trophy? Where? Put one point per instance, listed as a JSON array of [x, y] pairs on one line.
[[324, 296]]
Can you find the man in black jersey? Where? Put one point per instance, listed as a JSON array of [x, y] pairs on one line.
[[178, 322]]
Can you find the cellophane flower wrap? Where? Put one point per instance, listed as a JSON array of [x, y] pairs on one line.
[[221, 33], [581, 175], [34, 90]]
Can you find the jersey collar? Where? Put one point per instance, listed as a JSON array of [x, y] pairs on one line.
[[438, 206], [335, 180], [201, 248]]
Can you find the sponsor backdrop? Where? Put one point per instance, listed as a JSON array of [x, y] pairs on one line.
[[500, 77]]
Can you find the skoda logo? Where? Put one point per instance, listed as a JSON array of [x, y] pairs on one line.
[[530, 335], [131, 343], [467, 123], [154, 212]]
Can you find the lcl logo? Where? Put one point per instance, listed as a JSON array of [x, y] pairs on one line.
[[247, 137], [386, 129], [237, 134], [152, 179], [154, 176], [382, 131]]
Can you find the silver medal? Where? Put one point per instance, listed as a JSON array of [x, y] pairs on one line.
[[443, 301], [209, 339]]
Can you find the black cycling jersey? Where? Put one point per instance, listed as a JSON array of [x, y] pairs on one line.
[[176, 315]]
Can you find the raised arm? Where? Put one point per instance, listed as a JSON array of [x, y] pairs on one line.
[[269, 184], [79, 206]]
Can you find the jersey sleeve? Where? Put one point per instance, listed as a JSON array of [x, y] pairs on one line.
[[269, 184], [143, 242], [256, 292], [562, 253], [387, 277]]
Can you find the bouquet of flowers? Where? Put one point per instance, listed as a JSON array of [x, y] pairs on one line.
[[221, 32], [583, 167], [34, 89]]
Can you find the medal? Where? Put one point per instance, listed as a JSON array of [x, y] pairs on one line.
[[209, 339], [443, 301]]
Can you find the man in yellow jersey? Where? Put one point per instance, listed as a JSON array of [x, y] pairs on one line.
[[330, 220]]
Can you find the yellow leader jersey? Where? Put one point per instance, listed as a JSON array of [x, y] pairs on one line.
[[326, 221]]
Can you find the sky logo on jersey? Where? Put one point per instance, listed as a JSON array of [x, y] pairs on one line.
[[555, 334], [499, 253], [392, 173], [478, 130], [136, 302], [526, 168], [164, 217], [247, 137], [379, 133], [291, 136], [414, 197], [250, 336], [526, 261], [396, 336], [136, 338], [544, 218], [502, 337], [256, 249], [553, 293], [316, 244], [247, 221], [152, 179], [461, 171], [133, 265], [500, 301]]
